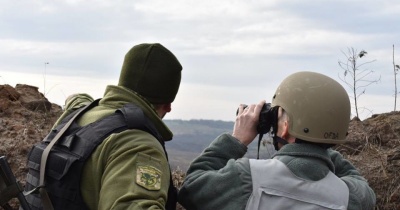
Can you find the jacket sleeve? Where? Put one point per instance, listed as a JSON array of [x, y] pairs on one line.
[[219, 178], [361, 195], [131, 171]]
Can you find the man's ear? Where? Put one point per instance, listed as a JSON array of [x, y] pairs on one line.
[[286, 135], [285, 129], [166, 107], [162, 109]]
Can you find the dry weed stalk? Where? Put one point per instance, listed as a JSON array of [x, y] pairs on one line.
[[178, 176]]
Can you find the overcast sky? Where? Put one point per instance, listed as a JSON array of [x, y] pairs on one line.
[[232, 52]]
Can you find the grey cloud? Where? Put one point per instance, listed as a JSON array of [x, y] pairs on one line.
[[351, 16], [248, 44]]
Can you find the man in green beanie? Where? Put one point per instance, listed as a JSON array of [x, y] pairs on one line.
[[309, 114], [128, 168]]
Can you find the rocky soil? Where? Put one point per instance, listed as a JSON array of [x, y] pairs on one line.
[[26, 116]]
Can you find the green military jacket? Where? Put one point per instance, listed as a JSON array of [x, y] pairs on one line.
[[220, 178], [113, 176]]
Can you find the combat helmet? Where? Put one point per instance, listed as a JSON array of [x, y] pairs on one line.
[[318, 107]]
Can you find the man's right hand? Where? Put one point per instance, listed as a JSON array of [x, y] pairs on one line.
[[245, 128]]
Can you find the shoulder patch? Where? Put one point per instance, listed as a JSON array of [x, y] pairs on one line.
[[148, 177]]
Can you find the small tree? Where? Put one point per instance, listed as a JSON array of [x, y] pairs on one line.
[[395, 70], [355, 76]]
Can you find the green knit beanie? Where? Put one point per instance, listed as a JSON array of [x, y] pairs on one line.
[[152, 71]]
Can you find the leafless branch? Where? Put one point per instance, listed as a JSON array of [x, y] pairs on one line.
[[355, 76]]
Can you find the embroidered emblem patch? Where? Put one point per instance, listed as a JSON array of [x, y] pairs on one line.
[[148, 177]]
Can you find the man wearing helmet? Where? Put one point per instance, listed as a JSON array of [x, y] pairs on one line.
[[312, 113]]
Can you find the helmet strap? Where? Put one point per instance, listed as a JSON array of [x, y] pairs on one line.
[[259, 142], [276, 140]]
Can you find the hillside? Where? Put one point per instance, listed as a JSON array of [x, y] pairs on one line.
[[191, 137], [374, 147]]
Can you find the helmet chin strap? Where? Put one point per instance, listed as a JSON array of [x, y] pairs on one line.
[[276, 140]]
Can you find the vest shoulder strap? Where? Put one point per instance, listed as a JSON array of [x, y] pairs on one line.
[[69, 145]]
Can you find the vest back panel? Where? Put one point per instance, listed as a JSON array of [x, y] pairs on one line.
[[276, 187], [67, 157]]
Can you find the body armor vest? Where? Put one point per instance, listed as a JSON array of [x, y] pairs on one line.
[[276, 187], [68, 156]]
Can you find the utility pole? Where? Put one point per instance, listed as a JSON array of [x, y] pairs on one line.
[[44, 78]]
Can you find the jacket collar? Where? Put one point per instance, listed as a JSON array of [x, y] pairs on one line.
[[117, 96], [306, 150]]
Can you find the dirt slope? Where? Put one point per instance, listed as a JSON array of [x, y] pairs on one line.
[[374, 148], [26, 116]]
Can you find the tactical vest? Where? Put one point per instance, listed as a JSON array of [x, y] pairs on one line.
[[276, 187], [68, 156]]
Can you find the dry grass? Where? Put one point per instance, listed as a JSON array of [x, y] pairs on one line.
[[178, 177], [374, 148]]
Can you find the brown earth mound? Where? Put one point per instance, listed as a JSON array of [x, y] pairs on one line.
[[374, 148], [26, 117]]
